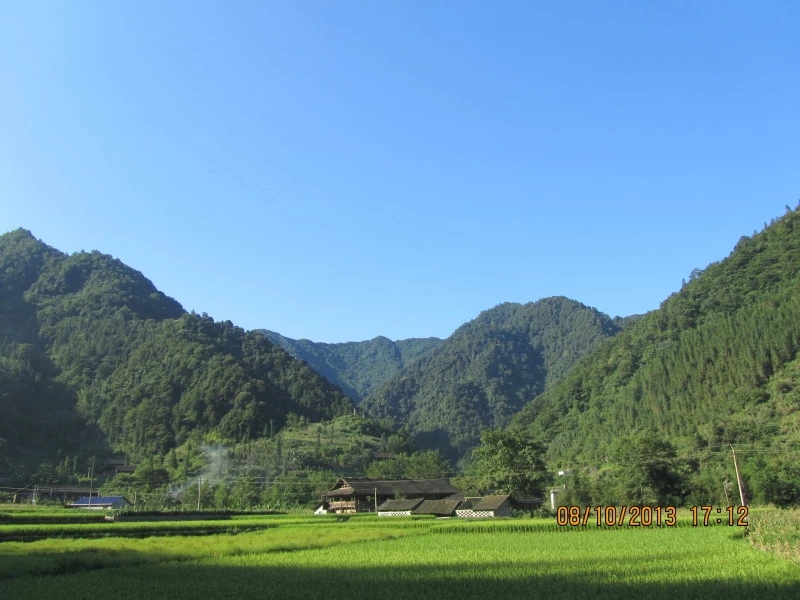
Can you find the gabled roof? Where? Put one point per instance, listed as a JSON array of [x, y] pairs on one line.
[[400, 505], [100, 501], [440, 508], [391, 487], [485, 503]]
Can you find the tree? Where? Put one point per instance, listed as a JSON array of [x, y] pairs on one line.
[[647, 471], [508, 461]]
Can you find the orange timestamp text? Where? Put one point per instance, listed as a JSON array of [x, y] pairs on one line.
[[648, 516]]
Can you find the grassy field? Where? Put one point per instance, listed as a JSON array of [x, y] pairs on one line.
[[299, 556]]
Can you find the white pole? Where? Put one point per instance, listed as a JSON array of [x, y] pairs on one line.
[[738, 477]]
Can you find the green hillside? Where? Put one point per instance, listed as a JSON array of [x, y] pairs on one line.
[[94, 359], [716, 365], [359, 368], [485, 372]]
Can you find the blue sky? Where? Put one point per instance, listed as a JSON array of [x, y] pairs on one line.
[[342, 170]]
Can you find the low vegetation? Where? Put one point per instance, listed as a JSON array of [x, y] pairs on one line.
[[777, 531]]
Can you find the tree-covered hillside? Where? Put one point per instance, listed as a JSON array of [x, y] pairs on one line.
[[359, 368], [92, 353], [716, 365], [488, 369]]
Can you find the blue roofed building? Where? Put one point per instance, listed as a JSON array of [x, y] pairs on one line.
[[101, 503]]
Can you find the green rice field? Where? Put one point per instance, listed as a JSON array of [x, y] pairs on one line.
[[299, 556]]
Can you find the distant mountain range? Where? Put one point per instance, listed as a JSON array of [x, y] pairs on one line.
[[359, 368], [488, 369], [447, 391], [94, 359]]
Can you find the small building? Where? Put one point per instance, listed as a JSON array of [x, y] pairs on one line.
[[485, 507], [101, 503], [445, 507], [400, 508], [360, 495]]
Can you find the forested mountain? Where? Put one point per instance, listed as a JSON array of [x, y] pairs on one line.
[[488, 369], [93, 356], [359, 368], [717, 364]]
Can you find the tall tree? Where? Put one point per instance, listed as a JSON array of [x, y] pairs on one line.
[[508, 461]]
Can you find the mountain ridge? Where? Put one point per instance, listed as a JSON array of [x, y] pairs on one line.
[[487, 369]]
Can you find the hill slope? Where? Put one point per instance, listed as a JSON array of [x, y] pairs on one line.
[[359, 368], [716, 364], [91, 351], [486, 371]]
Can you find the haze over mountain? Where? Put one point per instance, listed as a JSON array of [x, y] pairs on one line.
[[359, 368], [488, 369]]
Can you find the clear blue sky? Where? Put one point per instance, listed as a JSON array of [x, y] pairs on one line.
[[341, 170]]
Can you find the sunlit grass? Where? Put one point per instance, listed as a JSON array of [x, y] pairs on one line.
[[371, 557], [777, 531]]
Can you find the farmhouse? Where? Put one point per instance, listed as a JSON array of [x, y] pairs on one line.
[[101, 503], [488, 506], [360, 495]]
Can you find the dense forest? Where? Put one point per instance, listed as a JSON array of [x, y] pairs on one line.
[[358, 368], [94, 359], [715, 366], [488, 369]]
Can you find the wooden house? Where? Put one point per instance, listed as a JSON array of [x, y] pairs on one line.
[[485, 507], [351, 495]]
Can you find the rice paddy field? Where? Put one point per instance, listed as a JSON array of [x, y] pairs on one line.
[[300, 556]]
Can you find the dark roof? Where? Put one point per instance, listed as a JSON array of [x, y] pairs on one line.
[[485, 503], [526, 503], [100, 501], [441, 508], [391, 487], [400, 505]]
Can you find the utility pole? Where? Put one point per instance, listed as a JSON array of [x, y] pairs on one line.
[[199, 481], [738, 477], [376, 500]]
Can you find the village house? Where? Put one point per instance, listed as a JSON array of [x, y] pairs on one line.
[[485, 507], [351, 495]]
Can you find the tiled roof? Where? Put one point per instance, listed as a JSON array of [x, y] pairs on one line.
[[489, 502], [400, 504], [441, 508]]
